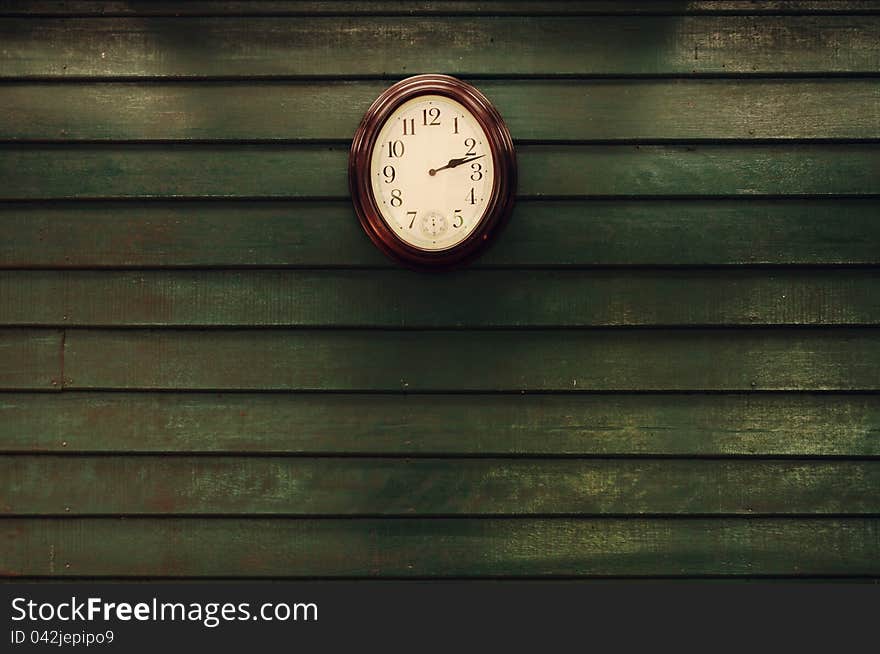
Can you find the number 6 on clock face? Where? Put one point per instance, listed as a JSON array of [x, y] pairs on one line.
[[432, 171]]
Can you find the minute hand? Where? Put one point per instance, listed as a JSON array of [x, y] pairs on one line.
[[455, 162]]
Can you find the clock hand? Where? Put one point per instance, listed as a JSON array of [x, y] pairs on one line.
[[453, 163]]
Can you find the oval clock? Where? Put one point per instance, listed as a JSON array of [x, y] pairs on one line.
[[432, 172]]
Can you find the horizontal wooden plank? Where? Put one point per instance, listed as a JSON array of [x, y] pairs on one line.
[[31, 359], [433, 361], [158, 485], [533, 109], [309, 171], [401, 547], [568, 233], [764, 424], [400, 46], [396, 299], [455, 7]]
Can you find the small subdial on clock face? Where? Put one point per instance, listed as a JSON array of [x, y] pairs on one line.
[[434, 224], [432, 172]]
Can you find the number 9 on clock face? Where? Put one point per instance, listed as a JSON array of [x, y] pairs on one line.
[[432, 172]]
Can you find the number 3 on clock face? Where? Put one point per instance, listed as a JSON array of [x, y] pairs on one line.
[[432, 171]]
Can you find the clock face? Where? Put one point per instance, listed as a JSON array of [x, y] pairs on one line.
[[432, 172]]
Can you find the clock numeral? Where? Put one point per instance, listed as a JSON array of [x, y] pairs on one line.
[[477, 175], [470, 144], [389, 173], [413, 214], [397, 197], [411, 123], [457, 216], [434, 113], [470, 196], [455, 125], [395, 148]]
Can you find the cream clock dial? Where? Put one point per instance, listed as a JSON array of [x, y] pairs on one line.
[[432, 172]]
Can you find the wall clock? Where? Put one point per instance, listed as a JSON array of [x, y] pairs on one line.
[[432, 172]]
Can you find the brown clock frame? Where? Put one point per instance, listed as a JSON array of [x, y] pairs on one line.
[[499, 206]]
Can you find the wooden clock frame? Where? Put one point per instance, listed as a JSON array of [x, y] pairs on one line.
[[500, 203]]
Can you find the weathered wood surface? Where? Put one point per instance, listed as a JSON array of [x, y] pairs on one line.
[[311, 171], [436, 438], [331, 46], [31, 359], [435, 361], [401, 547], [397, 299], [766, 424], [567, 233], [161, 485], [744, 424], [629, 110], [455, 7]]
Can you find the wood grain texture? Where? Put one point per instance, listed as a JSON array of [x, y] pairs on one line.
[[375, 424], [310, 171], [331, 46], [568, 233], [161, 485], [30, 359], [433, 361], [401, 547], [744, 424], [403, 299], [455, 7], [627, 110]]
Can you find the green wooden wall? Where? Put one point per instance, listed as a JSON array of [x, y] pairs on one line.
[[668, 365]]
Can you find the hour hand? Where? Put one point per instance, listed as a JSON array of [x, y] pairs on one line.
[[455, 162]]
